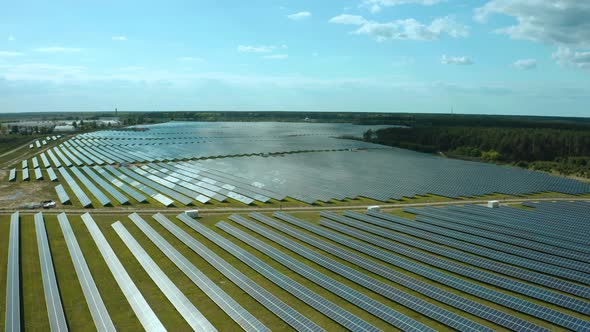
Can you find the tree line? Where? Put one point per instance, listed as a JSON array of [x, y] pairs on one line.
[[566, 151]]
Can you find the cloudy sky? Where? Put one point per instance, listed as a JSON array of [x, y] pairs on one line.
[[472, 56]]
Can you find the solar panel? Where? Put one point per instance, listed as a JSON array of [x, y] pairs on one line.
[[71, 156], [62, 194], [318, 302], [38, 174], [177, 184], [25, 164], [240, 315], [357, 298], [13, 287], [57, 319], [62, 156], [426, 289], [140, 186], [12, 175], [99, 313], [45, 160], [449, 219], [508, 244], [552, 235], [125, 188], [122, 199], [25, 174], [35, 162], [97, 193], [440, 236], [159, 187], [53, 158], [479, 261], [508, 301], [183, 305], [84, 200], [164, 184], [141, 308], [267, 299], [51, 174]]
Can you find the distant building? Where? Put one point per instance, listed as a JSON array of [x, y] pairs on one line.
[[64, 128], [109, 120]]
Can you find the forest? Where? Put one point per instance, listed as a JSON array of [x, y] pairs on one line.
[[564, 150]]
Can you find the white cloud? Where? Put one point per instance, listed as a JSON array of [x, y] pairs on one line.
[[191, 59], [11, 38], [9, 54], [58, 49], [348, 19], [255, 49], [375, 5], [41, 72], [455, 60], [525, 64], [119, 38], [563, 22], [276, 56], [299, 16], [568, 58], [375, 9], [408, 29]]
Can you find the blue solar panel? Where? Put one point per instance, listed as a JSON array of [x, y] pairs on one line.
[[361, 300], [271, 302], [426, 289], [240, 315]]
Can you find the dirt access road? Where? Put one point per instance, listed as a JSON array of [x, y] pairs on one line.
[[217, 211]]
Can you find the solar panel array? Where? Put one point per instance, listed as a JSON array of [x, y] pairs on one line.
[[328, 308], [282, 310], [431, 291], [183, 305], [259, 165], [423, 243], [446, 238], [486, 293], [78, 192], [240, 315], [13, 285], [372, 263], [97, 193], [503, 299], [100, 315], [57, 319], [364, 302], [141, 308]]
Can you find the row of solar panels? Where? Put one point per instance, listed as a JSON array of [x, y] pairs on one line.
[[325, 176], [362, 239], [26, 174], [380, 249], [96, 306], [164, 183], [40, 143], [312, 177]]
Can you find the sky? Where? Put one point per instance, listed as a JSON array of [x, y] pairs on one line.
[[529, 57]]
